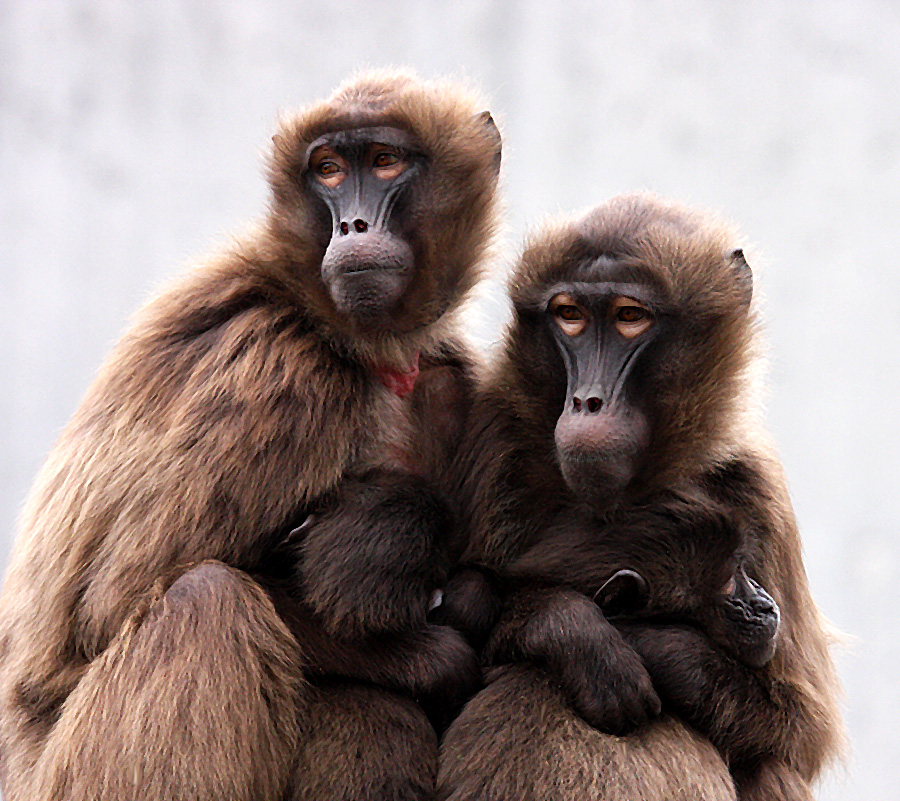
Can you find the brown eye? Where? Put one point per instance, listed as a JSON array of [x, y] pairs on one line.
[[569, 316], [630, 317], [387, 163], [386, 159], [630, 314], [328, 167], [569, 313]]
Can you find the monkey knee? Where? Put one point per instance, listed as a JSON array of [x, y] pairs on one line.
[[499, 747], [772, 779], [390, 725], [212, 592], [214, 613], [210, 676], [519, 738], [208, 582], [365, 742]]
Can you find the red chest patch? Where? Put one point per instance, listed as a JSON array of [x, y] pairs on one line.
[[400, 382]]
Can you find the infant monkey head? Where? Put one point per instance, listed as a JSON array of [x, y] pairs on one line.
[[717, 596]]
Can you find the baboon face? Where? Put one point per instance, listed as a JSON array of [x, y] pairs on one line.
[[745, 621], [383, 204], [641, 310], [363, 177], [601, 327]]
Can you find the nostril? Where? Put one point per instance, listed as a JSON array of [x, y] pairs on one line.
[[594, 405], [576, 403], [345, 229], [361, 226]]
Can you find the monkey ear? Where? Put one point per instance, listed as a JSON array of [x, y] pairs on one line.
[[485, 119], [624, 593], [743, 272]]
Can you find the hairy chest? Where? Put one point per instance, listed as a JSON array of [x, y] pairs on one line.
[[416, 429]]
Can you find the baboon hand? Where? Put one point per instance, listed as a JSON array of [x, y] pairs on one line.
[[601, 675], [370, 564], [610, 688]]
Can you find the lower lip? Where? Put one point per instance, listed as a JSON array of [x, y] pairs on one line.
[[360, 271]]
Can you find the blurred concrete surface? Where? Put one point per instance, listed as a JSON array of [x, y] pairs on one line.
[[131, 137]]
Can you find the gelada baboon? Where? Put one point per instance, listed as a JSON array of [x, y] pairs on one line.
[[677, 560], [624, 393], [157, 639]]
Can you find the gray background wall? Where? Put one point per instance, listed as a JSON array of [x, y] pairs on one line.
[[131, 137]]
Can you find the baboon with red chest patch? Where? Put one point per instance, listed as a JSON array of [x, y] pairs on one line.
[[220, 585]]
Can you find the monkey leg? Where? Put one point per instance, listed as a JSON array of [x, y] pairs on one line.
[[195, 698], [518, 740], [362, 742], [772, 780]]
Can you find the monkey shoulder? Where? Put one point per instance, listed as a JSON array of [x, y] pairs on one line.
[[754, 496], [739, 480]]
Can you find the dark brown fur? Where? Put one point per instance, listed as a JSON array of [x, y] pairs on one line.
[[678, 559], [153, 641], [775, 727]]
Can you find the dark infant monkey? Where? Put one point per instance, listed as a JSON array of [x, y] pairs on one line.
[[689, 550], [162, 635], [618, 431], [677, 560]]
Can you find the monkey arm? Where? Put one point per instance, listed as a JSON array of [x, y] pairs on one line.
[[433, 664], [370, 563], [749, 714], [565, 632], [208, 426]]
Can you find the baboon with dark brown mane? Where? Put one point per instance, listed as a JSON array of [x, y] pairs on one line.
[[220, 585], [621, 409]]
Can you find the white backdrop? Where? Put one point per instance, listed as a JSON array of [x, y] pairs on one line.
[[131, 136]]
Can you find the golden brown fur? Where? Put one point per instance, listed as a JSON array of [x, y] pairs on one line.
[[235, 405], [776, 726], [531, 746]]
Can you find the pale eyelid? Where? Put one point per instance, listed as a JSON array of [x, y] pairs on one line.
[[392, 170], [390, 154], [564, 299], [630, 328], [623, 300], [568, 327], [326, 156], [332, 179], [322, 154]]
